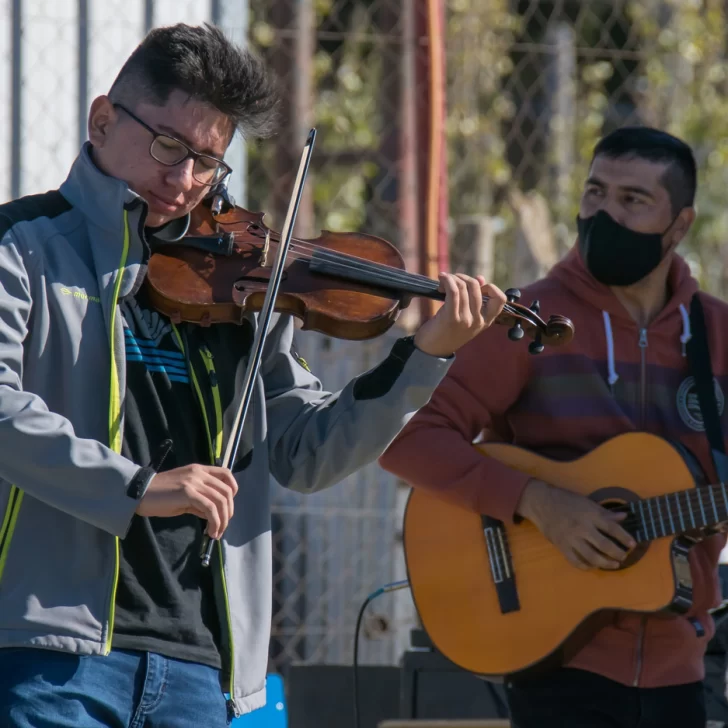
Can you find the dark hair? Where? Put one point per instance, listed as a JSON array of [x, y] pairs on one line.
[[202, 62], [653, 145]]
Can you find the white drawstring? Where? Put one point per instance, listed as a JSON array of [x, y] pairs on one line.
[[686, 335], [613, 376]]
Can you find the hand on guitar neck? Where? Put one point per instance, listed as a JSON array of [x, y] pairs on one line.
[[576, 525]]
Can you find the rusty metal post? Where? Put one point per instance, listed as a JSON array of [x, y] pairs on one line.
[[293, 62]]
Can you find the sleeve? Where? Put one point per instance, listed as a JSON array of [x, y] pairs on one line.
[[435, 450], [317, 438], [39, 451]]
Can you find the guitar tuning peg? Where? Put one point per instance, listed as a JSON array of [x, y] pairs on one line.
[[512, 295], [536, 347], [535, 306]]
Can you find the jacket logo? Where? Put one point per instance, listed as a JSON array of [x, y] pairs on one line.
[[688, 406], [77, 293]]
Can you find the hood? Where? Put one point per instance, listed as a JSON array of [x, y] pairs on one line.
[[573, 274]]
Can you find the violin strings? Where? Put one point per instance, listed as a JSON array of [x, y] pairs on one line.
[[388, 275], [305, 245]]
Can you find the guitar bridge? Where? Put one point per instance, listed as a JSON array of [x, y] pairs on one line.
[[501, 564]]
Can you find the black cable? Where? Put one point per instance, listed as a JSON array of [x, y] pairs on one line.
[[383, 590]]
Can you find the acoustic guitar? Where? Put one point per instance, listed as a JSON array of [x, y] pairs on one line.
[[498, 599]]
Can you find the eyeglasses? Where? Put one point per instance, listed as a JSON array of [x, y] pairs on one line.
[[169, 151]]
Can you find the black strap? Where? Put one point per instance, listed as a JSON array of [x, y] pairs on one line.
[[698, 353]]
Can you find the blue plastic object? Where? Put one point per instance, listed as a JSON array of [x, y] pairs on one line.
[[273, 714]]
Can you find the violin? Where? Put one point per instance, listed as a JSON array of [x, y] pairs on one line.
[[343, 284]]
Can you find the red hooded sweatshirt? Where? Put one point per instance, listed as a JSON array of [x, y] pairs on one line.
[[611, 379]]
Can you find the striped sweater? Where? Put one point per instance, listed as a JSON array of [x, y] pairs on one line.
[[613, 378]]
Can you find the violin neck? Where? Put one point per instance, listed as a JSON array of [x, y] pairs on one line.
[[338, 265]]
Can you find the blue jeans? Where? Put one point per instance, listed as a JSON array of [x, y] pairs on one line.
[[46, 689]]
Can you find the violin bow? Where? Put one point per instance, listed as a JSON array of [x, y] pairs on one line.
[[264, 317]]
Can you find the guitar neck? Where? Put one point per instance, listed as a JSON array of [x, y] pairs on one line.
[[673, 514]]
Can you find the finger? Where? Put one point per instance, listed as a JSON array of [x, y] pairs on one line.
[[606, 546], [452, 294], [575, 560], [224, 475], [475, 301], [464, 316], [610, 527], [205, 508], [594, 558], [221, 495], [496, 301]]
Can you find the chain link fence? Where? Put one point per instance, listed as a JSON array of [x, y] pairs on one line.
[[531, 86]]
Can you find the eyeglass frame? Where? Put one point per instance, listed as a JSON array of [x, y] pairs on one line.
[[191, 153]]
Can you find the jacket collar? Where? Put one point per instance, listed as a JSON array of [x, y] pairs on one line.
[[102, 198], [98, 196]]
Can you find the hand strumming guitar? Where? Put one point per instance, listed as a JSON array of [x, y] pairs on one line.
[[576, 525]]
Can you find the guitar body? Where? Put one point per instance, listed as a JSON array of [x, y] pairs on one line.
[[542, 610]]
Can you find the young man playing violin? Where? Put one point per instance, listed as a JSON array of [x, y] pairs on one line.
[[107, 617], [629, 294]]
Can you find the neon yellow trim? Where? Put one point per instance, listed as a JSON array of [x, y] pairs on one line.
[[210, 366], [8, 512], [8, 527], [198, 391], [115, 395], [115, 417], [229, 620]]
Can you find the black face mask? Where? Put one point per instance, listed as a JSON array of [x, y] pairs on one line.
[[614, 254]]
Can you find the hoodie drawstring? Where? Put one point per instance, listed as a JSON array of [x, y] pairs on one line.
[[686, 335], [613, 376], [611, 370]]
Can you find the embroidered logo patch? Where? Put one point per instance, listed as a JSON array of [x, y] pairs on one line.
[[688, 406]]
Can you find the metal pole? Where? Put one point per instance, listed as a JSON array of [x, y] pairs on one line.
[[232, 16], [83, 41], [148, 15], [16, 100]]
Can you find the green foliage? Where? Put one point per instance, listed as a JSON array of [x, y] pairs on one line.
[[683, 88]]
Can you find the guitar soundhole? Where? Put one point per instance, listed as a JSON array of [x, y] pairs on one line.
[[616, 499]]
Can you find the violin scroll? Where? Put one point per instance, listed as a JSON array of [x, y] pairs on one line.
[[525, 321]]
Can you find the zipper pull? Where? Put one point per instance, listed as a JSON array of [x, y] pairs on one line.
[[232, 710], [643, 339], [211, 373]]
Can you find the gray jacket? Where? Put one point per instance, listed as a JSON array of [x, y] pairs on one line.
[[66, 494]]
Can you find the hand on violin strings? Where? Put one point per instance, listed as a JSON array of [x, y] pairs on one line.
[[206, 491], [462, 317]]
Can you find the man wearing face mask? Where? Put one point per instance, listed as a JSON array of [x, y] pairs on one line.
[[628, 293]]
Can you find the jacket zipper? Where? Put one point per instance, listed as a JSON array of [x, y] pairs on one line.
[[643, 418], [212, 378], [115, 418], [8, 525], [215, 445]]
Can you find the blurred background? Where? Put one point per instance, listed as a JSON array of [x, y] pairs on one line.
[[460, 131]]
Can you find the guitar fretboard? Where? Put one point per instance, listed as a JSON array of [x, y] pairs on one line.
[[676, 513]]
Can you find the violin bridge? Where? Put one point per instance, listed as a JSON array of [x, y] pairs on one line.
[[266, 249]]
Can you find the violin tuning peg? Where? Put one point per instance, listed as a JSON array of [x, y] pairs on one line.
[[515, 333], [535, 306], [536, 347], [513, 294]]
